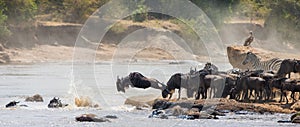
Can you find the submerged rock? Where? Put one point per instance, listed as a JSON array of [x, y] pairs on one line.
[[187, 117], [35, 98], [158, 114], [90, 118]]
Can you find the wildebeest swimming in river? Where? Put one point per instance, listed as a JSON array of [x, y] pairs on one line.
[[11, 104], [56, 103], [137, 80]]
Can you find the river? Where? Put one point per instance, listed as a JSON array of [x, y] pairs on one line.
[[58, 79]]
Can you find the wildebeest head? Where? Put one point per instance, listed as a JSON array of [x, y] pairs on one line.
[[297, 66], [118, 84], [166, 92], [121, 84], [249, 57]]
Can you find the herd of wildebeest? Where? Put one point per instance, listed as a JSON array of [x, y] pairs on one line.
[[248, 85]]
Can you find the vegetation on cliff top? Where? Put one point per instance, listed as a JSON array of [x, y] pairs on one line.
[[24, 13]]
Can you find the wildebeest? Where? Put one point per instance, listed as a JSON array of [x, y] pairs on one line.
[[177, 81], [56, 103], [287, 66], [295, 88], [230, 83], [213, 69], [246, 83], [136, 79], [284, 85], [12, 103], [215, 82]]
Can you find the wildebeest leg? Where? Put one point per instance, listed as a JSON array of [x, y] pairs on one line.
[[282, 92], [190, 93], [179, 93], [245, 96], [280, 100], [287, 101], [197, 97], [211, 91], [255, 95], [170, 96], [293, 96]]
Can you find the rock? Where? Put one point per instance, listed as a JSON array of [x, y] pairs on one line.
[[296, 119], [284, 121], [141, 101], [236, 55], [12, 104], [187, 117], [1, 47], [90, 118], [158, 114], [243, 112], [35, 98], [111, 117], [296, 106], [4, 58], [161, 104], [176, 111]]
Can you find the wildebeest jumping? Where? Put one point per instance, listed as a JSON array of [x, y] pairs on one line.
[[137, 80]]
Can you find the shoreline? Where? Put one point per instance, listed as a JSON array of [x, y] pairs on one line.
[[106, 53]]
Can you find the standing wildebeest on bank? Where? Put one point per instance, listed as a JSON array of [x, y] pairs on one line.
[[257, 64], [215, 82], [287, 66], [211, 68], [188, 81], [230, 83], [268, 77], [295, 88], [136, 79], [246, 83], [176, 81], [284, 85]]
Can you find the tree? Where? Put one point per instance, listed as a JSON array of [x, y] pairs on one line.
[[20, 12], [4, 32]]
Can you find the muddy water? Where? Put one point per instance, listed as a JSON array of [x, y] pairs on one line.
[[55, 79]]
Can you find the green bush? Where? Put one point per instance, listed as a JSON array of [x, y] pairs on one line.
[[20, 12], [140, 14], [4, 32]]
